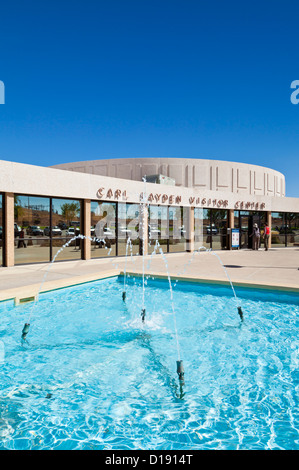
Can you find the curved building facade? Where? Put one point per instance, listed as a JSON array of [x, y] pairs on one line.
[[213, 175]]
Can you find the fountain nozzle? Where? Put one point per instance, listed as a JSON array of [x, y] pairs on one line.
[[143, 314], [180, 370], [25, 331], [124, 296], [240, 313]]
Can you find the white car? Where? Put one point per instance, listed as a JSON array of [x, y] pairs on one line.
[[55, 231], [124, 230], [108, 232], [71, 232], [153, 231]]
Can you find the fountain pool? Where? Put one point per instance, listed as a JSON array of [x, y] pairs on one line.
[[94, 376]]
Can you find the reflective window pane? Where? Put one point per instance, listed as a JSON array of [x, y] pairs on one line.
[[201, 223], [292, 228], [65, 229], [236, 219], [278, 230], [218, 228], [103, 229], [158, 228], [177, 229], [129, 219], [32, 217]]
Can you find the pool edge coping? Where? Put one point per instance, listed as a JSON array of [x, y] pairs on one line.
[[243, 284], [34, 289]]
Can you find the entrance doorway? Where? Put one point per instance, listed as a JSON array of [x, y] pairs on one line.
[[246, 221]]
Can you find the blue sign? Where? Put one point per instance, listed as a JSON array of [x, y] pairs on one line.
[[235, 237]]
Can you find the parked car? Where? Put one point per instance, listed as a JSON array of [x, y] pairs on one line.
[[125, 231], [55, 231], [72, 231], [62, 225], [212, 229], [285, 229], [153, 231], [34, 230], [108, 232]]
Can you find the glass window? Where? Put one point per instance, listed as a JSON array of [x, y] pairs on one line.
[[31, 219], [103, 229], [218, 228], [177, 229], [210, 228], [278, 229], [1, 230], [236, 219], [158, 227], [128, 228], [292, 228], [65, 227], [201, 223]]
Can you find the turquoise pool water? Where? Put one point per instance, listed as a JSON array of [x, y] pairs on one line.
[[93, 376]]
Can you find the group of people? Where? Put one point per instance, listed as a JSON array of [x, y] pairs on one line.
[[256, 236]]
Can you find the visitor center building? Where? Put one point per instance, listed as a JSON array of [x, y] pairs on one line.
[[180, 204]]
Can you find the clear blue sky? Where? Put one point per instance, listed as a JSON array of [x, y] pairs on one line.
[[150, 78]]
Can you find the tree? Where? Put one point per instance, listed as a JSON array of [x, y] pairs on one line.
[[18, 209], [70, 210]]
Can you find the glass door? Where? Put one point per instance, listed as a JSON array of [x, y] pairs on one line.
[[245, 240]]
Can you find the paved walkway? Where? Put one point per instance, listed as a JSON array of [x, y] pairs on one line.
[[276, 268]]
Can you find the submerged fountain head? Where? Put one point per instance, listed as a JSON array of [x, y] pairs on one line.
[[240, 313], [180, 370], [25, 331], [143, 314]]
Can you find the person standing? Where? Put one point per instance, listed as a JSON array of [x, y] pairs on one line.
[[21, 241], [266, 236], [256, 237]]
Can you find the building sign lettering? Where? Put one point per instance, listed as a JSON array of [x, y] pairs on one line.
[[110, 194], [121, 195], [246, 205]]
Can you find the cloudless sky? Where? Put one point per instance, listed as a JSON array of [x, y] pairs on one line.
[[150, 78]]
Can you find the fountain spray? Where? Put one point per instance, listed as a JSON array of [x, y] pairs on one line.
[[240, 312], [25, 330], [143, 229], [124, 294]]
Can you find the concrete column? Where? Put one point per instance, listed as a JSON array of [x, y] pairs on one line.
[[85, 228], [188, 219], [143, 229], [9, 232], [230, 225], [231, 218]]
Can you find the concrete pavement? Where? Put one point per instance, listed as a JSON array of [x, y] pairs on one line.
[[276, 268]]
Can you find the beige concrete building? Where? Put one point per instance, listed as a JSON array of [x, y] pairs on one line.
[[212, 175], [111, 204]]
